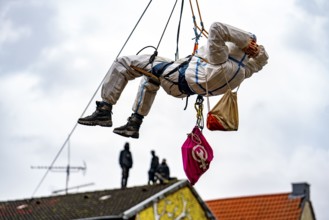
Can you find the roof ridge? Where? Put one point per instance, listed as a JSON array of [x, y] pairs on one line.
[[81, 193], [249, 196]]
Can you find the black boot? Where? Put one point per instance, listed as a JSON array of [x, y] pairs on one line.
[[102, 116], [131, 129]]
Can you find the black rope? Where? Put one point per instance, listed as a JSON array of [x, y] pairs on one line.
[[152, 58], [186, 102], [144, 49]]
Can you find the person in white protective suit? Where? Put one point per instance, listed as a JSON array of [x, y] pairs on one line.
[[231, 55]]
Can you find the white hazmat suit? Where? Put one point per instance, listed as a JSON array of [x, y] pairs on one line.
[[207, 72]]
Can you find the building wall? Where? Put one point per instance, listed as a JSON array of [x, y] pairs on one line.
[[179, 205], [307, 212]]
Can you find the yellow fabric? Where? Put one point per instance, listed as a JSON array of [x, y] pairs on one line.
[[225, 112]]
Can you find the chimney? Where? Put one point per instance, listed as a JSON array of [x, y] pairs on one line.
[[301, 190]]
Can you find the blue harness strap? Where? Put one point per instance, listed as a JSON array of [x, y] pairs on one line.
[[183, 87], [158, 69], [182, 83], [240, 63]]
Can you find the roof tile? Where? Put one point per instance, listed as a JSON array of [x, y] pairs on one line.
[[270, 207], [81, 205]]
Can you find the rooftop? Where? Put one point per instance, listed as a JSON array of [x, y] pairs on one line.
[[275, 206], [288, 206], [87, 204]]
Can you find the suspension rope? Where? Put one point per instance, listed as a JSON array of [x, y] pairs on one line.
[[178, 30], [84, 111], [196, 27], [167, 23], [204, 32], [140, 18], [152, 58]]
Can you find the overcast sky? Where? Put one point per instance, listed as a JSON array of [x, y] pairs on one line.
[[54, 54]]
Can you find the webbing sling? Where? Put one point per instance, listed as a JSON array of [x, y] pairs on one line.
[[158, 69], [182, 83], [179, 66]]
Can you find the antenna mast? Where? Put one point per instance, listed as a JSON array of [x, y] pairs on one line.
[[68, 169]]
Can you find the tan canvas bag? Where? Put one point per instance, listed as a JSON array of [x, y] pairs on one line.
[[224, 116]]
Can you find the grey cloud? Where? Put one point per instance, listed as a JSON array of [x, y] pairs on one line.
[[38, 19], [314, 7], [317, 12], [292, 127], [303, 38]]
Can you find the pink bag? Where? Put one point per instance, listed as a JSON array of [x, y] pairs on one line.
[[197, 155]]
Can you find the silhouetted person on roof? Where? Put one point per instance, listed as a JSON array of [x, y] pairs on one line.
[[163, 172], [153, 168], [126, 162]]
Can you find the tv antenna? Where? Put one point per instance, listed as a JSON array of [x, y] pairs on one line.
[[72, 187], [68, 169]]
